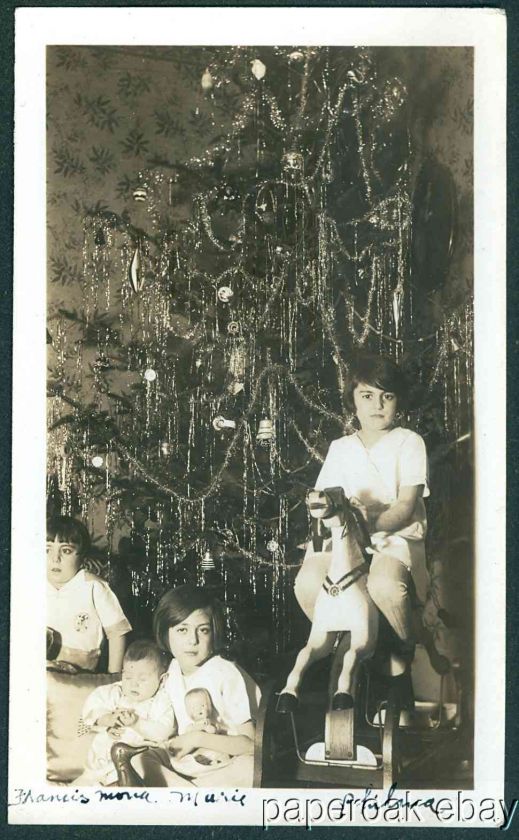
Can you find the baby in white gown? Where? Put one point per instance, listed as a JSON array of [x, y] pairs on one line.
[[137, 710]]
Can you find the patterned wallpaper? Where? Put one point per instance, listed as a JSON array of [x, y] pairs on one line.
[[113, 111]]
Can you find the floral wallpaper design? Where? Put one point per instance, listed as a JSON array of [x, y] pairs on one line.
[[113, 111]]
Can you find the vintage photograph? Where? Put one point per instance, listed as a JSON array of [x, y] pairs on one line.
[[260, 461], [258, 418]]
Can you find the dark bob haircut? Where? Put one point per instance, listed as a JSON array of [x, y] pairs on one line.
[[175, 606], [378, 372], [69, 530], [149, 650]]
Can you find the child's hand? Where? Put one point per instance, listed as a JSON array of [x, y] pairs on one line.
[[356, 503], [181, 745], [116, 731], [127, 717], [378, 542], [109, 719]]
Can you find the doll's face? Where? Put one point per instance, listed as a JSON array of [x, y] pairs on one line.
[[63, 562], [140, 680], [375, 408], [199, 707]]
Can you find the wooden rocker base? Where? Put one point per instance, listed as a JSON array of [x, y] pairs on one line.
[[339, 735]]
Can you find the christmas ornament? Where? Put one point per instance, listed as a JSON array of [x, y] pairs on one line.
[[206, 81], [225, 293], [233, 328], [265, 431], [101, 363], [293, 167], [398, 296], [362, 70], [237, 367], [97, 461], [99, 238], [229, 193], [266, 205], [135, 272], [297, 55], [140, 194], [283, 251], [234, 388], [220, 423], [207, 563], [455, 346], [258, 68], [393, 97], [273, 546], [150, 375]]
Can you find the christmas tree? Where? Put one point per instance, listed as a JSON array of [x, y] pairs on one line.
[[198, 386]]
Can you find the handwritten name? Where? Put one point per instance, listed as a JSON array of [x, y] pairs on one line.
[[197, 798], [28, 796]]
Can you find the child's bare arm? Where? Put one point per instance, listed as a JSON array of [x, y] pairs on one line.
[[398, 514], [116, 648], [241, 744]]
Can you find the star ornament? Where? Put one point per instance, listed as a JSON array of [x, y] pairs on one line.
[[258, 68]]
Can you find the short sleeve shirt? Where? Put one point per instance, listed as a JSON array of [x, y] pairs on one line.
[[226, 685], [83, 610], [375, 475]]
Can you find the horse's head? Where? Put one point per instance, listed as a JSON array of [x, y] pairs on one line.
[[331, 508]]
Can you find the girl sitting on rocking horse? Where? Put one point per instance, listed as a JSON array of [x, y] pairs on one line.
[[383, 471]]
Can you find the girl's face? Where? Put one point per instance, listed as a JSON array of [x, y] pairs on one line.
[[63, 562], [375, 408], [191, 642]]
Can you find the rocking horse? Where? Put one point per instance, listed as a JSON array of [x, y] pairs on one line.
[[343, 604], [365, 706]]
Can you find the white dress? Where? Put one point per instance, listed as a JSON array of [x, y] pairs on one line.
[[375, 476], [108, 698], [234, 699]]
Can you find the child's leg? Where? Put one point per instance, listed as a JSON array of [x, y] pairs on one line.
[[388, 584]]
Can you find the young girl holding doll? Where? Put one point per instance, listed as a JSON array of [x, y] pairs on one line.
[[188, 623], [383, 470], [81, 608]]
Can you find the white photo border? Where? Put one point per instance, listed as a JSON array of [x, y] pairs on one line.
[[483, 29]]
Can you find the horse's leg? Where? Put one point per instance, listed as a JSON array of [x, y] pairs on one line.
[[319, 645], [362, 646]]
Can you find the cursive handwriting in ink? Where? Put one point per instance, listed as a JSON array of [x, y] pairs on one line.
[[123, 796], [197, 798], [25, 796]]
